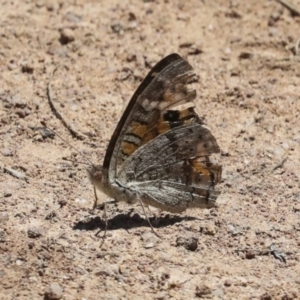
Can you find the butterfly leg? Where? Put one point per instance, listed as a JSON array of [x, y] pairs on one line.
[[105, 228], [104, 215], [143, 207], [96, 198]]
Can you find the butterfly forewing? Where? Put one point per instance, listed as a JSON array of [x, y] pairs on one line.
[[165, 86]]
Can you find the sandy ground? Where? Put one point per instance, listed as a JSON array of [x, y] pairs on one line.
[[247, 58]]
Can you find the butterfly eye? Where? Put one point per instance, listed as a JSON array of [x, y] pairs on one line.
[[95, 173], [98, 175]]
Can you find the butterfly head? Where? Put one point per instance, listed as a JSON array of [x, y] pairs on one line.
[[96, 176], [99, 179]]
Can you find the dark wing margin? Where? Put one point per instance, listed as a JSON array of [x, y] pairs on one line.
[[170, 59]]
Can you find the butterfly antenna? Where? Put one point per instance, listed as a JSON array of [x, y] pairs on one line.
[[64, 140], [80, 162]]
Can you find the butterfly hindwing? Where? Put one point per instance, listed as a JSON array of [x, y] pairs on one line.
[[176, 166], [175, 197]]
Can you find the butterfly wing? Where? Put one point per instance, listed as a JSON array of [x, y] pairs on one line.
[[164, 87], [173, 171], [160, 154], [175, 197]]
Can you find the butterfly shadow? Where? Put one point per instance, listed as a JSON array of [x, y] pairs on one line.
[[129, 221]]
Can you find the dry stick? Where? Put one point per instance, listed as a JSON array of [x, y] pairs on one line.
[[297, 47], [280, 165], [56, 113], [272, 250], [290, 6], [15, 173]]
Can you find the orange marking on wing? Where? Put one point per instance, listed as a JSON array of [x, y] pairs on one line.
[[187, 116], [199, 167], [163, 126], [128, 148], [186, 113], [149, 136], [139, 129]]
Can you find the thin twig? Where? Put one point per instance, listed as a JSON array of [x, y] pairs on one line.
[[297, 47], [280, 165], [272, 250], [56, 113], [290, 6], [16, 174]]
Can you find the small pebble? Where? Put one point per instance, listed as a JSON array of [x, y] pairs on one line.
[[190, 243], [19, 262], [72, 17], [4, 217], [3, 236], [27, 68], [245, 55], [227, 283], [149, 245], [54, 292], [117, 27], [35, 231], [18, 101], [66, 36], [6, 152], [203, 291], [131, 57], [11, 66], [208, 229], [21, 113], [250, 255], [52, 6]]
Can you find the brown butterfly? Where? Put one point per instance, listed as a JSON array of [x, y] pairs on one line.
[[157, 155]]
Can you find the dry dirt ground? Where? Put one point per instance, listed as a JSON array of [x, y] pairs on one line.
[[246, 54]]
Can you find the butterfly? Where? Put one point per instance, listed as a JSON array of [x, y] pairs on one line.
[[159, 155]]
